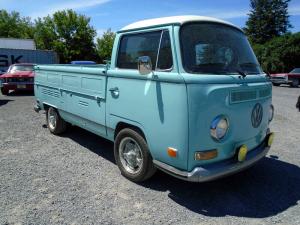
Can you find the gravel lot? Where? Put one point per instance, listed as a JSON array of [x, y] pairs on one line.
[[73, 179]]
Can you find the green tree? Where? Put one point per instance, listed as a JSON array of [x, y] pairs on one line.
[[281, 54], [12, 25], [267, 19], [67, 33], [105, 44]]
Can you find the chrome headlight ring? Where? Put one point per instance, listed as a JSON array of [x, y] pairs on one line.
[[219, 127]]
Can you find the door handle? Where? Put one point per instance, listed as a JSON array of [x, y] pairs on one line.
[[114, 91]]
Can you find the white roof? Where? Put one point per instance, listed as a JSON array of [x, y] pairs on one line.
[[172, 20]]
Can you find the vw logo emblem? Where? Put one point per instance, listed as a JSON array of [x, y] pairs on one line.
[[257, 114]]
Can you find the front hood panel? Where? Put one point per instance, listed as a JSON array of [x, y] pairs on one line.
[[236, 102]]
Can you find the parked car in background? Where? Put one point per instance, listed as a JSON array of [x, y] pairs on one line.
[[18, 77], [292, 78]]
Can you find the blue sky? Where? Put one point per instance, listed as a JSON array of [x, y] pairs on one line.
[[115, 14]]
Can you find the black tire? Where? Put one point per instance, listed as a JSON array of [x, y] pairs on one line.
[[147, 169], [295, 83], [59, 126], [4, 91], [274, 84]]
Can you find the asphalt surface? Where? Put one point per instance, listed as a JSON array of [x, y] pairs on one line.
[[73, 179]]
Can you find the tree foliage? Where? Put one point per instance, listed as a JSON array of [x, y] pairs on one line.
[[281, 54], [68, 33], [267, 19], [105, 44], [12, 25]]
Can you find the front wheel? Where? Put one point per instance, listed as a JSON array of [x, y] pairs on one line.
[[132, 156], [295, 83], [4, 91], [55, 123], [274, 84]]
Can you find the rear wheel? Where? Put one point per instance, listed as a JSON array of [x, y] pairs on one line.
[[132, 156], [295, 83], [4, 91], [55, 123]]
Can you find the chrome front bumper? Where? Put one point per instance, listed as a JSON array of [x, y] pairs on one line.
[[280, 81], [216, 170]]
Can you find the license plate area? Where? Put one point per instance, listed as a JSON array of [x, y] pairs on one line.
[[21, 86]]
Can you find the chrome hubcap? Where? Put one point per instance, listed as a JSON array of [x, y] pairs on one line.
[[130, 155], [52, 117]]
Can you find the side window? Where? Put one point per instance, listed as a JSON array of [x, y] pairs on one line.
[[165, 60], [156, 45], [136, 45]]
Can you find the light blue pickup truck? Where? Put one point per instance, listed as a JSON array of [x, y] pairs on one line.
[[182, 94]]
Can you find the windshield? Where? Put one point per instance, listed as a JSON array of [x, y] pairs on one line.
[[16, 68], [211, 48], [296, 70]]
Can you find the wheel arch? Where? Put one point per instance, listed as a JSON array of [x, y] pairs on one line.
[[122, 125], [46, 106]]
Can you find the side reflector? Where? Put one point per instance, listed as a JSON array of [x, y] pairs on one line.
[[172, 152], [242, 153], [206, 155], [270, 139]]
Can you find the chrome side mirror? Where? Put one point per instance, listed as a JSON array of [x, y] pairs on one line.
[[144, 65]]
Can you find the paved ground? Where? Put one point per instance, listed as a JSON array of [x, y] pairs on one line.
[[73, 179]]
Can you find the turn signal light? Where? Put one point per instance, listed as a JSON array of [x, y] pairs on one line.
[[206, 155], [270, 139], [172, 152]]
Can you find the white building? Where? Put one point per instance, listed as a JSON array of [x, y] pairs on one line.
[[14, 43]]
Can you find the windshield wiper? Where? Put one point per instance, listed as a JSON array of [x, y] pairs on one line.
[[241, 72]]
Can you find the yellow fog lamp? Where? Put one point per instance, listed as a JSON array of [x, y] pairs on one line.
[[242, 153], [206, 155], [270, 139]]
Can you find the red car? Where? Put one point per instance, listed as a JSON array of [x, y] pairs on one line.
[[18, 77], [292, 78]]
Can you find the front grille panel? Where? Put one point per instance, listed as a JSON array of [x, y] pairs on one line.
[[19, 79], [278, 78]]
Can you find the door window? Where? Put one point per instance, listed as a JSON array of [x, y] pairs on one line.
[[156, 45]]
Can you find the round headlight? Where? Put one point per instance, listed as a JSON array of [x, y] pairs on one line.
[[271, 113], [219, 127]]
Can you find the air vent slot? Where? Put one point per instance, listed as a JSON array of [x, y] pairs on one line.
[[242, 96], [49, 92], [263, 93]]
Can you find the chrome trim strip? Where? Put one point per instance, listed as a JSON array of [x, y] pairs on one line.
[[96, 97], [157, 55]]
